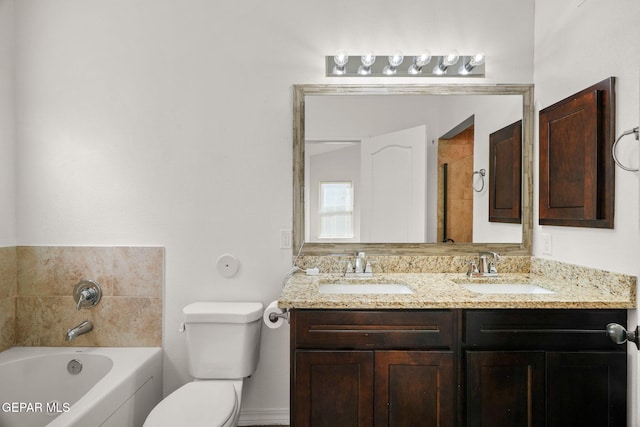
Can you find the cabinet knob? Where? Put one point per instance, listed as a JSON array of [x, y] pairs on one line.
[[620, 335]]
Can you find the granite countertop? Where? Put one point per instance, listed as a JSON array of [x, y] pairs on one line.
[[446, 290]]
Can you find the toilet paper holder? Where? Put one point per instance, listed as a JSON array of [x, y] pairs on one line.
[[273, 317]]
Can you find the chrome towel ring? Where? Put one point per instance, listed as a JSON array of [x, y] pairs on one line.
[[635, 131], [482, 173]]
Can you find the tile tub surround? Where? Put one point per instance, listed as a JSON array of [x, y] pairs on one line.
[[574, 287], [129, 313], [8, 292]]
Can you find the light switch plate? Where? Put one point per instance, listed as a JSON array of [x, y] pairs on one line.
[[285, 239]]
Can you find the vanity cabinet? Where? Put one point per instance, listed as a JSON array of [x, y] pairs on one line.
[[490, 368], [373, 368], [544, 368]]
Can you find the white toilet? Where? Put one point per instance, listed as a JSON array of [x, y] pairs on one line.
[[223, 344]]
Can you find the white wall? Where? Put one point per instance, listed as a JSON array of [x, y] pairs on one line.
[[7, 141], [577, 44], [161, 122]]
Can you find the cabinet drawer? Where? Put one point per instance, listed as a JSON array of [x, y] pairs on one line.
[[542, 329], [380, 329]]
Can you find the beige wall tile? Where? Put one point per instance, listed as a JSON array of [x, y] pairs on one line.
[[44, 308], [44, 270], [8, 272], [7, 322], [129, 322], [117, 322], [42, 321], [138, 271]]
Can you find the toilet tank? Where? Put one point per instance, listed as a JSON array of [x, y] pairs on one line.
[[223, 338]]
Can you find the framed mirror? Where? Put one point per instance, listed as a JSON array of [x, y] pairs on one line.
[[342, 203]]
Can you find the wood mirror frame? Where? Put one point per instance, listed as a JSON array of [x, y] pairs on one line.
[[433, 249]]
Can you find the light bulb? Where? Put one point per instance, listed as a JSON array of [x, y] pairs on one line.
[[423, 59], [340, 59], [477, 59], [419, 62], [450, 59], [471, 63], [396, 59], [367, 61]]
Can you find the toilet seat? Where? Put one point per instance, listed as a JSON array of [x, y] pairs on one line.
[[198, 403]]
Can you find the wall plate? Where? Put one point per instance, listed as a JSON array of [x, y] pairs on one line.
[[227, 265]]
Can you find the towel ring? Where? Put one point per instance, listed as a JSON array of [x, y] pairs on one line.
[[482, 173], [636, 131]]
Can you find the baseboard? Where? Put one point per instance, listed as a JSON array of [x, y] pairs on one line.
[[264, 417]]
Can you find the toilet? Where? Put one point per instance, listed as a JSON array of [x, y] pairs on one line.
[[223, 346]]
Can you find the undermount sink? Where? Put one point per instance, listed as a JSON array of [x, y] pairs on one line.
[[364, 288], [506, 288]]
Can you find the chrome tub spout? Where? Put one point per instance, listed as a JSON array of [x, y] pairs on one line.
[[81, 329]]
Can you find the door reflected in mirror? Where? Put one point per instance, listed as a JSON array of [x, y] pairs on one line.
[[369, 165]]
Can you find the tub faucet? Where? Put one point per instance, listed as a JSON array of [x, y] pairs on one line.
[[87, 294], [81, 329]]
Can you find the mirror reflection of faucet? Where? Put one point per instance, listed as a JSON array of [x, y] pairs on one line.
[[485, 267]]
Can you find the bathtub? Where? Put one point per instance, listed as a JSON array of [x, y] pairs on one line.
[[45, 386]]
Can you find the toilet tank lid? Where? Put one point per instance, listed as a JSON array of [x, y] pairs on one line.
[[223, 312]]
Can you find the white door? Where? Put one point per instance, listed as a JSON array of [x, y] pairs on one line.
[[393, 187]]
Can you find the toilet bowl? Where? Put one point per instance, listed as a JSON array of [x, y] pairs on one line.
[[223, 342], [199, 403]]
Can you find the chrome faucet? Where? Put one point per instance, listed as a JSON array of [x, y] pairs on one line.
[[361, 269], [485, 267], [359, 261], [81, 329], [87, 294]]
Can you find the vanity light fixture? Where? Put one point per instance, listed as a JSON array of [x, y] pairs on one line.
[[470, 63], [369, 65], [445, 62]]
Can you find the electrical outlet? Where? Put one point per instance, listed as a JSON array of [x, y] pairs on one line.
[[546, 244], [285, 239]]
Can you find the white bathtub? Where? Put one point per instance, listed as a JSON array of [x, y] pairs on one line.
[[116, 387]]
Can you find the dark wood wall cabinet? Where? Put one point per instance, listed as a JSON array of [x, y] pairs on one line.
[[576, 167], [505, 154], [491, 368]]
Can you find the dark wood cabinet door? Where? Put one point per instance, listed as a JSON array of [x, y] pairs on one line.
[[586, 389], [577, 176], [505, 159], [505, 389], [414, 388], [333, 389]]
